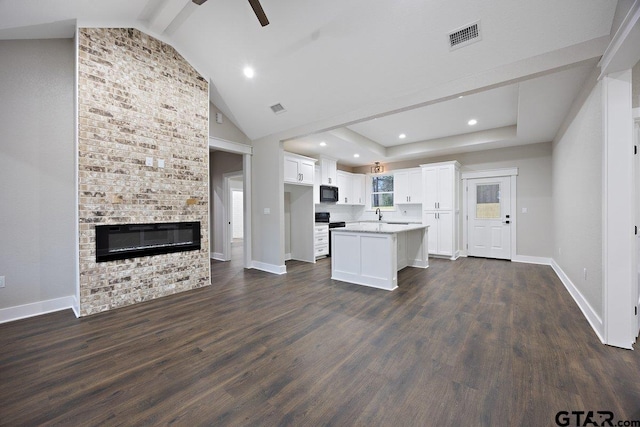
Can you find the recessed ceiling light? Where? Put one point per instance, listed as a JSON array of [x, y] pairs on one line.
[[249, 72], [461, 96], [356, 155], [402, 136], [472, 122], [323, 144]]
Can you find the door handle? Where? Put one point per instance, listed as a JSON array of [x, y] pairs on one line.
[[506, 222]]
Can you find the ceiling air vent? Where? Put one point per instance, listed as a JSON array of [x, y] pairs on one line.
[[277, 108], [465, 35]]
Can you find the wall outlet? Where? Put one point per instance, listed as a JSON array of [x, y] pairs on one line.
[[1, 281], [525, 210], [148, 161], [160, 163], [559, 251]]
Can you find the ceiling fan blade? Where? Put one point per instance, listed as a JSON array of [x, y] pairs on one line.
[[257, 9]]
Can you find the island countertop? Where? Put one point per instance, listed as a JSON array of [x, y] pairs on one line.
[[375, 227]]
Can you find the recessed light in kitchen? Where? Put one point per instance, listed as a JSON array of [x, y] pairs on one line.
[[356, 155], [402, 136], [249, 72], [472, 122], [323, 144]]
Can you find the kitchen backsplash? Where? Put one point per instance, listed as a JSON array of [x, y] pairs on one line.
[[411, 213]]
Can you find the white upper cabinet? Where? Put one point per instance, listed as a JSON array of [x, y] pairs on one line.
[[438, 185], [298, 169], [407, 186], [328, 172], [358, 193], [345, 188], [350, 188]]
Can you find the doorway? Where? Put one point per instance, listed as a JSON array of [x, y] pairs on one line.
[[489, 213], [233, 217]]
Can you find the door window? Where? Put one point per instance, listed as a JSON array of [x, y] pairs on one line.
[[488, 201]]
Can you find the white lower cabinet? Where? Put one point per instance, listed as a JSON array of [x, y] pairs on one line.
[[321, 238], [441, 236]]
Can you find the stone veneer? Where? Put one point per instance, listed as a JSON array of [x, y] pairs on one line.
[[138, 98]]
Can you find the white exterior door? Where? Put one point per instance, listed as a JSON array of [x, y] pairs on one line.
[[490, 219]]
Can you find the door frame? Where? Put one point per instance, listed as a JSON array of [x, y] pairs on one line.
[[512, 173], [247, 154], [227, 212]]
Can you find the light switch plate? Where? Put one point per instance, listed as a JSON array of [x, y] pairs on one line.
[[161, 163], [267, 211], [149, 161]]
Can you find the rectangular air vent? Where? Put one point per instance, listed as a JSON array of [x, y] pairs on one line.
[[464, 36], [277, 108]]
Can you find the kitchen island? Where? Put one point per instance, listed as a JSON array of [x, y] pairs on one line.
[[371, 254]]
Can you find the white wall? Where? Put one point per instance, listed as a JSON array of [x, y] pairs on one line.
[[220, 162], [268, 194], [225, 130], [533, 183], [37, 171], [577, 194]]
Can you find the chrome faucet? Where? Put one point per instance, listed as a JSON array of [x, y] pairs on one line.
[[379, 214]]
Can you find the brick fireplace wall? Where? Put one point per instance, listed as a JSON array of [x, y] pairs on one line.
[[139, 99]]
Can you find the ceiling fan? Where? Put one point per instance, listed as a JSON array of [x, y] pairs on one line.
[[255, 5]]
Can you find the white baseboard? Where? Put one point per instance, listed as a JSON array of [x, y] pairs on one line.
[[269, 268], [217, 256], [532, 259], [287, 257], [592, 317], [18, 312]]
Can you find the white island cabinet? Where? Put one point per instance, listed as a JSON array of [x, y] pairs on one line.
[[371, 254]]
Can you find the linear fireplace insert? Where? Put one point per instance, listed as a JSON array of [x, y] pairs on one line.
[[135, 240]]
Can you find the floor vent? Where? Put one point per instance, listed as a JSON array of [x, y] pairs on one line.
[[277, 108], [465, 36]]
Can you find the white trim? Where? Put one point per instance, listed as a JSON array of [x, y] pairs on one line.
[[218, 256], [246, 202], [231, 146], [76, 226], [269, 268], [527, 259], [18, 312], [622, 51], [489, 173], [636, 113], [287, 257], [592, 317]]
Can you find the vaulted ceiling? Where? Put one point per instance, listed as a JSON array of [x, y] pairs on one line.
[[356, 74]]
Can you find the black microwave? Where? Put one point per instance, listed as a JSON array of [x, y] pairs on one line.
[[328, 194]]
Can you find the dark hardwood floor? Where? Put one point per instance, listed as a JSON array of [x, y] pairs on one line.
[[467, 343]]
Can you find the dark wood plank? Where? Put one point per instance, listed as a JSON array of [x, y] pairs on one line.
[[471, 342]]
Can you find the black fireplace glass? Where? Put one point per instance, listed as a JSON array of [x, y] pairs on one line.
[[134, 240]]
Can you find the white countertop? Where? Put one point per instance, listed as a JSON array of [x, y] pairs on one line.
[[379, 227]]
